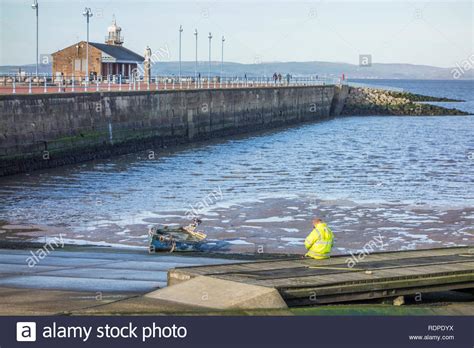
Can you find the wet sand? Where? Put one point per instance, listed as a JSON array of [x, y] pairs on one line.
[[279, 225]]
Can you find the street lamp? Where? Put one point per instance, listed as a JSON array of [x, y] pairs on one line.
[[88, 14], [35, 7], [210, 38], [180, 31], [222, 57], [196, 64]]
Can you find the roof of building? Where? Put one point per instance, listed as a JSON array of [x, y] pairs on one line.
[[118, 52]]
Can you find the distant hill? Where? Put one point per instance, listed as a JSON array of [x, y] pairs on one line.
[[323, 69]]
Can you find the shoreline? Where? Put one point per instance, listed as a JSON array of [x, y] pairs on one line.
[[276, 225]]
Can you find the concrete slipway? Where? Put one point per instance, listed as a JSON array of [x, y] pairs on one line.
[[82, 277], [308, 282], [85, 280], [95, 270]]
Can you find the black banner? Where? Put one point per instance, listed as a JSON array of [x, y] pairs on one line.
[[307, 331]]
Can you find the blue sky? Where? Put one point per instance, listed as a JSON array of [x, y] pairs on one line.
[[438, 33]]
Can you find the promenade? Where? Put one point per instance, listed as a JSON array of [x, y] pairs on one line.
[[27, 85]]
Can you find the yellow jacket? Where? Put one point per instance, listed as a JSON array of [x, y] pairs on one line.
[[319, 242]]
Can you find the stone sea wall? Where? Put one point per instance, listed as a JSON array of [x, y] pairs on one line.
[[43, 131], [48, 130]]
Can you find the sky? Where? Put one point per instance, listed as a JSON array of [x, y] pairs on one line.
[[437, 33]]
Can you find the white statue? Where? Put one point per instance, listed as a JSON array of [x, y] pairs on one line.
[[147, 53]]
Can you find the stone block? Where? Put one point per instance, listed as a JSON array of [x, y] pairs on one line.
[[209, 292]]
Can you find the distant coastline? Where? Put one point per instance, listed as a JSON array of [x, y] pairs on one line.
[[376, 71]]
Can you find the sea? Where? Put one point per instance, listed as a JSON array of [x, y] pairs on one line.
[[409, 179]]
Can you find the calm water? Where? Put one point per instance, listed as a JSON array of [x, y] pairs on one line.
[[375, 162]]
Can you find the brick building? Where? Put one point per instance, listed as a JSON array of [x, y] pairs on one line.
[[105, 59]]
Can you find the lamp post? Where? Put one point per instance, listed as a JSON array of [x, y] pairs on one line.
[[195, 65], [210, 38], [35, 7], [180, 31], [88, 14], [222, 57]]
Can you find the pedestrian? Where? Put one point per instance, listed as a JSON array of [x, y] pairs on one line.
[[62, 82], [279, 78]]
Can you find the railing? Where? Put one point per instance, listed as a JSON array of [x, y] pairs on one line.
[[30, 84]]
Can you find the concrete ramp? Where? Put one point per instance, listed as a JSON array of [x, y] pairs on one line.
[[208, 292], [308, 282]]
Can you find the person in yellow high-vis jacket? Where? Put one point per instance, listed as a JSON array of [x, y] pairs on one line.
[[319, 241]]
